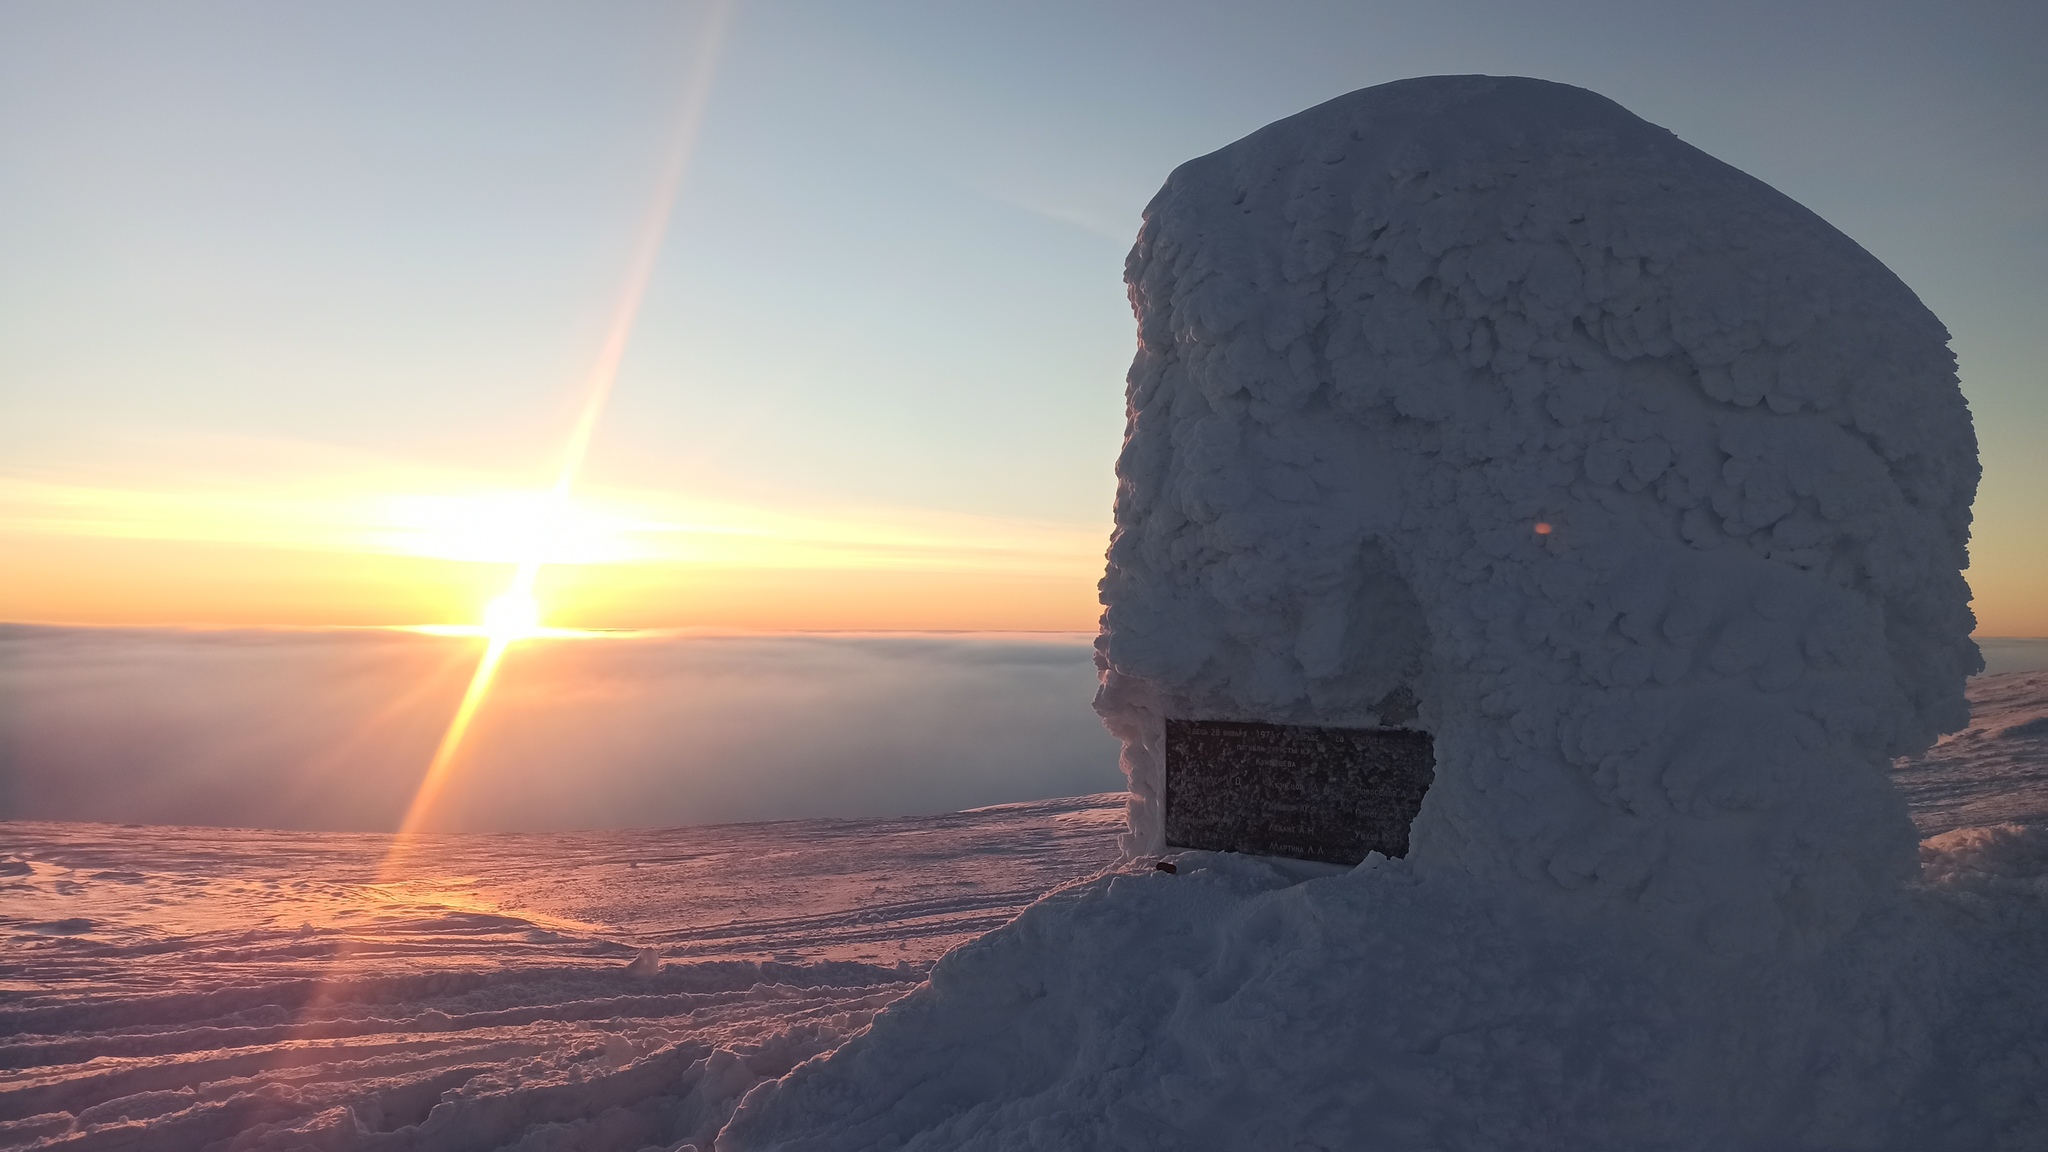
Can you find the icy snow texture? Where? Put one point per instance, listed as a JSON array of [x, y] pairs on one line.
[[1993, 772], [1250, 1003], [1662, 894], [179, 989], [1226, 1008], [1382, 340]]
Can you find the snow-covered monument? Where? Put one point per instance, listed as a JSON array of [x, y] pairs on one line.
[[1487, 432], [1635, 484]]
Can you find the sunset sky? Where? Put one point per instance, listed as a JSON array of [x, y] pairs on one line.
[[301, 304]]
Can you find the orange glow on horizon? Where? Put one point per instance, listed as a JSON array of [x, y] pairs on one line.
[[94, 582]]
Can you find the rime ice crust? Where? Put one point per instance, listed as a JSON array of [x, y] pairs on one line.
[[1382, 339]]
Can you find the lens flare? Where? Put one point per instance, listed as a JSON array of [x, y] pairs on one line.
[[516, 615]]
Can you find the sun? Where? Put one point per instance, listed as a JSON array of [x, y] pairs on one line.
[[513, 616], [529, 531]]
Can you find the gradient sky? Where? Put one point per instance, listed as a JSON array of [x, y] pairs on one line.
[[297, 299]]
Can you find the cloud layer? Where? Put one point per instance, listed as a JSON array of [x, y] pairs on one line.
[[331, 729]]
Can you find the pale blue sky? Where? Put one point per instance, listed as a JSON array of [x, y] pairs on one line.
[[256, 231]]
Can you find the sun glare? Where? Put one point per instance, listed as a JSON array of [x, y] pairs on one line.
[[513, 616], [508, 528], [548, 528]]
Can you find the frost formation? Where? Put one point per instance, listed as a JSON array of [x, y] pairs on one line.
[[1383, 340]]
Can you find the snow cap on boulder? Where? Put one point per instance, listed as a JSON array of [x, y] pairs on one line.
[[1652, 488]]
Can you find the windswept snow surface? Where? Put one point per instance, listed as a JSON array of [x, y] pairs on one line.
[[172, 989], [1993, 772], [176, 989], [1260, 1004], [1653, 490]]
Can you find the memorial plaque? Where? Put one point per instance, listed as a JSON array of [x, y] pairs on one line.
[[1330, 794]]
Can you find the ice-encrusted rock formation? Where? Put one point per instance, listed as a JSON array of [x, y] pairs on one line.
[[1653, 487], [1661, 894]]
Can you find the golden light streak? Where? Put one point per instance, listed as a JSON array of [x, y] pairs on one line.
[[515, 615], [512, 617], [682, 146], [439, 768]]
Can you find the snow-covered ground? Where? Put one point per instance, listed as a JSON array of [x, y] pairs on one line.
[[1256, 1004], [1993, 772], [183, 988], [189, 988]]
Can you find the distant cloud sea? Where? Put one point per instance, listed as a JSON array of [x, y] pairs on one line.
[[2014, 654], [331, 729]]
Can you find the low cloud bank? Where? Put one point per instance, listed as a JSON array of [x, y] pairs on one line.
[[2013, 653], [333, 729]]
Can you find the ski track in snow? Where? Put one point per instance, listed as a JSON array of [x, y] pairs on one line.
[[201, 988], [186, 988]]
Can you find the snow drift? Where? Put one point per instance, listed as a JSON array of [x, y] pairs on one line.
[[1652, 490]]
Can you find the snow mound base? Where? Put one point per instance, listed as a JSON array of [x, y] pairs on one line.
[[1237, 1006], [1652, 490]]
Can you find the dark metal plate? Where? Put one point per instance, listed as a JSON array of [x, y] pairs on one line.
[[1331, 794]]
